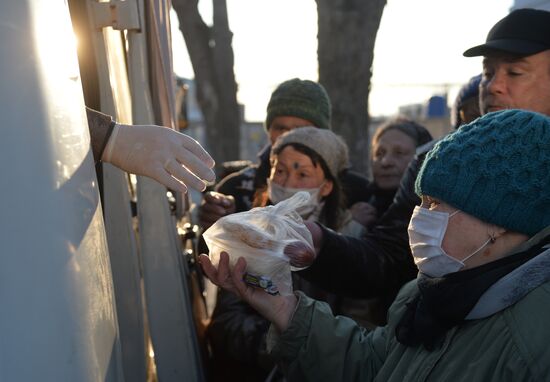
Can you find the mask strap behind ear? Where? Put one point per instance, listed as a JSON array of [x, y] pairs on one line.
[[490, 240]]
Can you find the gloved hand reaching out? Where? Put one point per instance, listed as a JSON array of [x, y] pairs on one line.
[[171, 158]]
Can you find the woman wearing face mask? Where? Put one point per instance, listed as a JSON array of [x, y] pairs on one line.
[[305, 159], [310, 159], [480, 307]]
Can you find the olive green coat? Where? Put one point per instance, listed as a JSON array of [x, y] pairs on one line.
[[511, 345]]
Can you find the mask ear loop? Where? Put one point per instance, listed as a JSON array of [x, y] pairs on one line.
[[491, 240], [492, 237], [319, 188]]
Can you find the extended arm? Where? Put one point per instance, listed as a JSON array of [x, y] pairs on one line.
[[377, 264], [171, 158]]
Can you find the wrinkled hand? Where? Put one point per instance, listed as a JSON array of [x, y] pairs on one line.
[[364, 213], [171, 158], [300, 254], [214, 206], [277, 309]]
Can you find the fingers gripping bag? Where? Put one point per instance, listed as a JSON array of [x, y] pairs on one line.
[[260, 236]]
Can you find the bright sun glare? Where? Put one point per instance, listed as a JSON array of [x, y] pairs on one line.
[[56, 61], [55, 40]]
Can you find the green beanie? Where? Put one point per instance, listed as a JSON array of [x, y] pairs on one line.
[[300, 98], [497, 168]]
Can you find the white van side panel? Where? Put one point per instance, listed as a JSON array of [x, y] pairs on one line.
[[58, 321]]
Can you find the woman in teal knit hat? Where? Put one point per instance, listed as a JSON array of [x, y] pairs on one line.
[[480, 307]]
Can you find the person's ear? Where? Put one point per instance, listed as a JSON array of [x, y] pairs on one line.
[[326, 188], [494, 232]]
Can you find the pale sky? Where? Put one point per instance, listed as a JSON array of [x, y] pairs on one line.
[[418, 48]]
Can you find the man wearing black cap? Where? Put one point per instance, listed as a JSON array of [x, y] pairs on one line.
[[516, 64], [516, 74]]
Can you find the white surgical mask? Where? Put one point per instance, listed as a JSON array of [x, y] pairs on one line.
[[426, 231], [278, 193]]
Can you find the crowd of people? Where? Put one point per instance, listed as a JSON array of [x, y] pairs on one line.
[[436, 270], [453, 244]]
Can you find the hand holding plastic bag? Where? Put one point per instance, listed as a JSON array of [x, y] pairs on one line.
[[260, 236], [171, 158]]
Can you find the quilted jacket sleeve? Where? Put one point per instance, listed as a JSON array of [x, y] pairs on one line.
[[320, 347]]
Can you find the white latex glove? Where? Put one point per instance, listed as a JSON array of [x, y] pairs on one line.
[[171, 158]]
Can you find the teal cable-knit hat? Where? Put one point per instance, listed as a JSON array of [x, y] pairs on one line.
[[300, 98], [496, 168]]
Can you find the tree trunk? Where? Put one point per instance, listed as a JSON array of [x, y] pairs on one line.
[[347, 32], [212, 59]]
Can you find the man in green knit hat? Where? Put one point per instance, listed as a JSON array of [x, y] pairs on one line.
[[294, 103]]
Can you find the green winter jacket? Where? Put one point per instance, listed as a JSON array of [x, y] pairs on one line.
[[511, 343]]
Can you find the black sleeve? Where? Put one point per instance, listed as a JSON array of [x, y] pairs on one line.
[[237, 331], [100, 126], [240, 186], [378, 264], [355, 187]]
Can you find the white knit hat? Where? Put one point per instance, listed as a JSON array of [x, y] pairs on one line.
[[328, 145]]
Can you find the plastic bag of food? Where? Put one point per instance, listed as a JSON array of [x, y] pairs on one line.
[[260, 236]]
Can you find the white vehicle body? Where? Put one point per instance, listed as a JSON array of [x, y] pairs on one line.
[[72, 276]]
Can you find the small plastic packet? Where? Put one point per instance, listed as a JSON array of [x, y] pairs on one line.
[[260, 236]]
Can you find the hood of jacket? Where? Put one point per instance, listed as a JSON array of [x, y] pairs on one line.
[[518, 283]]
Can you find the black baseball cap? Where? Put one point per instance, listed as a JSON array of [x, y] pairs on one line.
[[523, 32]]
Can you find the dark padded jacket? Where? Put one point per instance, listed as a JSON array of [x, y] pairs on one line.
[[378, 264], [236, 332]]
